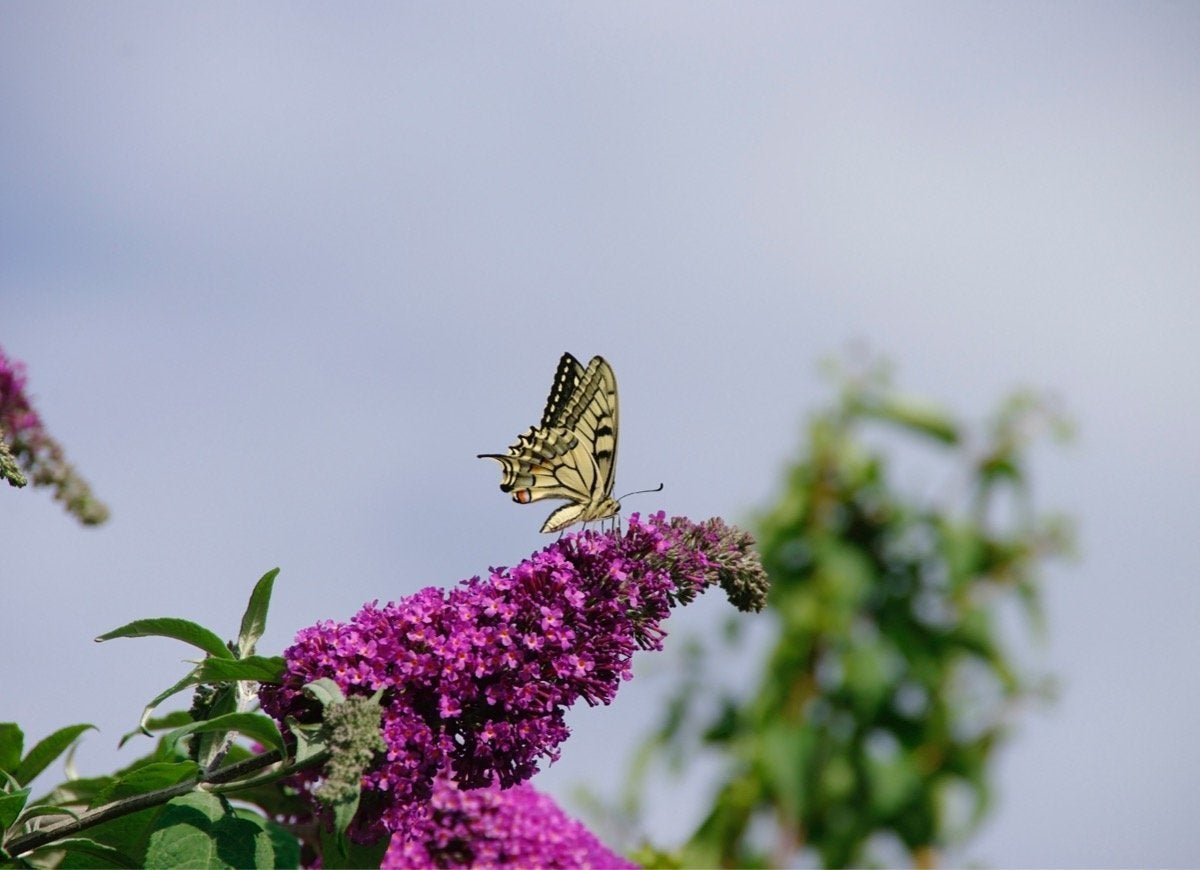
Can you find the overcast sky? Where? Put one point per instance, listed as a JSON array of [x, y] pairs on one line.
[[280, 271]]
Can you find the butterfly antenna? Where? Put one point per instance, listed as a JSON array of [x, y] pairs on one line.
[[658, 488]]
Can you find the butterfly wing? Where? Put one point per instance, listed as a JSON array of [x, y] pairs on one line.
[[591, 413], [566, 383], [572, 454], [546, 463]]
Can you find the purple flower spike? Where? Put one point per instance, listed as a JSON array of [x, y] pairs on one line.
[[478, 678], [487, 827]]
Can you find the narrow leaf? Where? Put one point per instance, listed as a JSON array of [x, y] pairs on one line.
[[262, 669], [126, 834], [12, 743], [190, 680], [46, 810], [11, 805], [92, 849], [343, 815], [919, 417], [78, 791], [46, 750], [254, 620], [210, 746], [169, 720], [253, 725], [179, 629], [158, 723], [147, 778]]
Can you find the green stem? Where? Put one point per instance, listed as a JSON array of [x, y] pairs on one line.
[[221, 781]]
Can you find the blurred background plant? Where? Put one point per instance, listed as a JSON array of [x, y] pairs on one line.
[[25, 444], [893, 677]]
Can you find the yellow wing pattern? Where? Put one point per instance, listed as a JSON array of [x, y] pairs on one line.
[[572, 454]]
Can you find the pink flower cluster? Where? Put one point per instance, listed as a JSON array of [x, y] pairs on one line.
[[24, 439], [477, 679], [490, 827], [17, 417]]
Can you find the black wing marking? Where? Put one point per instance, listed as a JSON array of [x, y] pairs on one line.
[[566, 381]]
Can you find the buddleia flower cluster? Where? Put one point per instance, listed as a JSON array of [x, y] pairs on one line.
[[476, 680], [490, 827], [25, 444]]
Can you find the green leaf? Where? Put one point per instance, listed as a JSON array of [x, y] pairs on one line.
[[254, 620], [283, 842], [179, 629], [199, 830], [46, 750], [94, 854], [325, 692], [47, 810], [270, 798], [211, 745], [127, 834], [12, 742], [158, 723], [11, 805], [261, 669], [191, 679], [308, 739], [253, 725], [168, 721], [917, 416], [338, 852], [287, 847], [147, 778], [78, 791], [343, 815]]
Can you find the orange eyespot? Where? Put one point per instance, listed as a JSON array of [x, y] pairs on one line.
[[521, 496]]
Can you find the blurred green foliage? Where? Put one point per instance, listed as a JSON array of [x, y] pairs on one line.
[[869, 732]]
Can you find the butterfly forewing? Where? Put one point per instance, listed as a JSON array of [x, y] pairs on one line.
[[566, 382], [572, 454], [592, 412]]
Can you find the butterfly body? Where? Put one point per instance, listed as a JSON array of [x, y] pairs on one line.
[[572, 453]]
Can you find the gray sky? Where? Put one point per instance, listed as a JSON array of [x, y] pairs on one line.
[[280, 271]]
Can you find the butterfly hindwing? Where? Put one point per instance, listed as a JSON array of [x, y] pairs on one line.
[[572, 454], [545, 463]]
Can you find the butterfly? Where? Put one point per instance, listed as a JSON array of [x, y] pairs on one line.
[[572, 453]]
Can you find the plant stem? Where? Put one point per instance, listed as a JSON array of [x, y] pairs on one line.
[[36, 839]]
